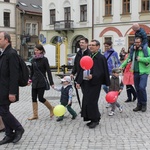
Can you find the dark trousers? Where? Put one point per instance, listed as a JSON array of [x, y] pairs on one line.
[[130, 92], [69, 108], [10, 122], [38, 93]]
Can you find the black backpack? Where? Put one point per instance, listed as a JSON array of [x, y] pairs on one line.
[[23, 72]]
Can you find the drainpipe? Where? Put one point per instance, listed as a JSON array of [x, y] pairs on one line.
[[92, 19], [22, 32]]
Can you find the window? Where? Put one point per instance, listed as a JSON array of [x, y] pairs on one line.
[[126, 6], [130, 40], [52, 16], [107, 39], [6, 19], [31, 29], [34, 29], [28, 28], [67, 14], [6, 0], [108, 7], [83, 13], [145, 5]]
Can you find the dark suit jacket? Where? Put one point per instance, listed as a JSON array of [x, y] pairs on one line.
[[77, 68], [9, 75]]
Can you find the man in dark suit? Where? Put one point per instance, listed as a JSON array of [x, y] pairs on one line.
[[92, 85], [9, 76], [77, 70]]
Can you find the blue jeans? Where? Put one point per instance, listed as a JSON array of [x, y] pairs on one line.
[[140, 83], [105, 88]]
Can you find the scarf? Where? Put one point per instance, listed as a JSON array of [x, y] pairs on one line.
[[38, 56]]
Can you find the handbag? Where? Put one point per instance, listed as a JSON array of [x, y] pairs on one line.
[[47, 86]]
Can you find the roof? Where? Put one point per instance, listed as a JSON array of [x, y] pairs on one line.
[[30, 6]]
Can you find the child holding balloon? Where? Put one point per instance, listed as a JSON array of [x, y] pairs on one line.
[[66, 96], [116, 84]]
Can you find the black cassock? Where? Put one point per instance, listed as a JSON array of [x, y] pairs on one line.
[[91, 88]]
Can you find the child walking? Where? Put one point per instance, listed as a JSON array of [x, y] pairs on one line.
[[66, 96], [116, 84]]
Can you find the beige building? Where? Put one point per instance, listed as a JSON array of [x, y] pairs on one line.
[[98, 19], [67, 19]]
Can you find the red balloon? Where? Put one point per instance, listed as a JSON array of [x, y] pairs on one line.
[[111, 96], [86, 62]]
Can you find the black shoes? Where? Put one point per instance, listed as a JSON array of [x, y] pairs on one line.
[[138, 108], [18, 135], [134, 99], [92, 124], [6, 139], [14, 138], [144, 108], [88, 123], [128, 100]]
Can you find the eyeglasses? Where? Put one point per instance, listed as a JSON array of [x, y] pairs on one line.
[[137, 42], [92, 45]]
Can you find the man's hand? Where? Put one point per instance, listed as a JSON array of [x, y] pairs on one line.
[[78, 86], [89, 77], [140, 48], [12, 97], [134, 47], [52, 86], [71, 76]]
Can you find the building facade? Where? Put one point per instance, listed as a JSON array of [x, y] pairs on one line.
[[66, 19], [28, 26], [95, 19], [8, 11], [114, 21]]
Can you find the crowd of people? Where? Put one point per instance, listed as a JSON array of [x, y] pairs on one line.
[[104, 74]]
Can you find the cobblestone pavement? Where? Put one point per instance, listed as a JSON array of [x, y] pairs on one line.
[[124, 131]]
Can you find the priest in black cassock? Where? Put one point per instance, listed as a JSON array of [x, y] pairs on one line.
[[91, 85]]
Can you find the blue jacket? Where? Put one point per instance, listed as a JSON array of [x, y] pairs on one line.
[[141, 34], [113, 61]]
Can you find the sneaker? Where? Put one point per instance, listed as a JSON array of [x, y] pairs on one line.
[[108, 105], [120, 109], [111, 113]]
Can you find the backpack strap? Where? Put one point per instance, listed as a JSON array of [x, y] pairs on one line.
[[109, 55]]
